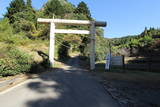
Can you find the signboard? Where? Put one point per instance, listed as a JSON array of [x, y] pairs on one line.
[[108, 60], [117, 60], [113, 60]]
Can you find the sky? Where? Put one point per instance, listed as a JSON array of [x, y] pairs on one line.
[[123, 17]]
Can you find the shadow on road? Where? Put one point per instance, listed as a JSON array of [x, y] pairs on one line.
[[68, 87]]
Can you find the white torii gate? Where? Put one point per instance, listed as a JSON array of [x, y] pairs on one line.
[[92, 32]]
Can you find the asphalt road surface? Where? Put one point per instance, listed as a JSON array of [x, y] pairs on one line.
[[67, 87]]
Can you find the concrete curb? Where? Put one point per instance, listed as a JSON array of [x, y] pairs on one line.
[[14, 80]]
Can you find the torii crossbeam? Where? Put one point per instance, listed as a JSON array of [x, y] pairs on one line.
[[92, 32]]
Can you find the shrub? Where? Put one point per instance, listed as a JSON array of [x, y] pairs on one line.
[[7, 35], [14, 62], [5, 30], [24, 25]]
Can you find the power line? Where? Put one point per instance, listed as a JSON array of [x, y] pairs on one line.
[[62, 44], [82, 37]]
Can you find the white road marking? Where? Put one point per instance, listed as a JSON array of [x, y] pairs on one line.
[[10, 89]]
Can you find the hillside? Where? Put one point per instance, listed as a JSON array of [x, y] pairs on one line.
[[137, 45], [24, 42]]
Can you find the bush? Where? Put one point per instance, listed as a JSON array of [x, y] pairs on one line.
[[7, 35], [27, 14], [5, 30], [14, 62], [24, 25]]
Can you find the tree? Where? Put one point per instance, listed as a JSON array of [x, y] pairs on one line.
[[29, 3], [53, 7], [14, 7], [83, 9], [100, 32]]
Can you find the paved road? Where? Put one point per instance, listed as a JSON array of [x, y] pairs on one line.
[[68, 87]]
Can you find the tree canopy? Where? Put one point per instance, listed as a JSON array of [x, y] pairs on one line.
[[14, 7], [54, 7], [29, 4], [83, 9]]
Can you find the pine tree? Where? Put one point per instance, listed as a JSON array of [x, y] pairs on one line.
[[83, 9], [14, 7], [29, 3], [54, 7]]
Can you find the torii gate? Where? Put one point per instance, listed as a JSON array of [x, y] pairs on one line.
[[92, 32]]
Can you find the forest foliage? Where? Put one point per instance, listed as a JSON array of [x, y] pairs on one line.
[[23, 18], [19, 27], [145, 44]]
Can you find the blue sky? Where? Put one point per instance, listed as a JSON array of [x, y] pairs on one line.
[[124, 17]]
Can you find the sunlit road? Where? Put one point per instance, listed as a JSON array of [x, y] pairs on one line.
[[68, 87]]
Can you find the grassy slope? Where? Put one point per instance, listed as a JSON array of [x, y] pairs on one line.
[[38, 49]]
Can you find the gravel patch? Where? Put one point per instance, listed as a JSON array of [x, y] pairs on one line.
[[130, 94]]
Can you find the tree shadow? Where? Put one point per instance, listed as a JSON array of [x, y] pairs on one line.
[[43, 65], [43, 55], [69, 87]]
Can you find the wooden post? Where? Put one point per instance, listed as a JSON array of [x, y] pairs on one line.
[[92, 44], [52, 43], [123, 62]]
